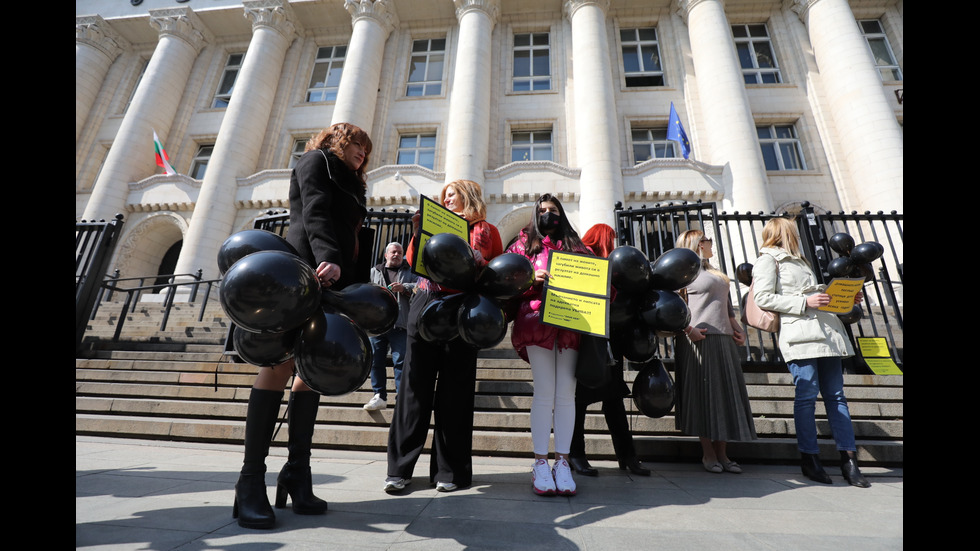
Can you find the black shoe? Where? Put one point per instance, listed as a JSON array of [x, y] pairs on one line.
[[581, 466], [812, 469], [295, 479], [634, 467], [852, 474], [251, 506], [297, 483]]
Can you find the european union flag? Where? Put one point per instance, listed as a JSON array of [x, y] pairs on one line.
[[675, 132]]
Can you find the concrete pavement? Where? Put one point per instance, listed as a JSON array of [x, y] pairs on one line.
[[150, 495]]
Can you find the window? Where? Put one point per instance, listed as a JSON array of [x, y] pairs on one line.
[[417, 149], [223, 95], [200, 163], [651, 143], [531, 146], [755, 54], [327, 68], [781, 148], [641, 57], [299, 147], [532, 62], [425, 76], [881, 50]]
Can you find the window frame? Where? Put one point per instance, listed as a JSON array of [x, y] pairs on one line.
[[231, 72], [426, 82], [892, 67], [201, 160], [757, 73], [779, 143], [532, 145], [418, 148], [640, 43], [532, 79], [653, 141], [326, 91]]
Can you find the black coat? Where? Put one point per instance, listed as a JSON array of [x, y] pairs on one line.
[[326, 209]]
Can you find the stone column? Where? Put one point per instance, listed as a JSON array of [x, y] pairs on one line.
[[240, 136], [596, 118], [870, 137], [468, 130], [153, 106], [727, 115], [96, 47], [357, 94]]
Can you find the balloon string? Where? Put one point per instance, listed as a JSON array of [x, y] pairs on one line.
[[288, 405]]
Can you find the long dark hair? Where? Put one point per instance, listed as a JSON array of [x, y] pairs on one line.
[[570, 240]]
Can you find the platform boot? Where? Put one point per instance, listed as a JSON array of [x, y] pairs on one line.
[[296, 478], [251, 506]]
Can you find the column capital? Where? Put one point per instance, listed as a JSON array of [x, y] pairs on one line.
[[378, 11], [181, 23], [490, 7], [802, 8], [274, 14], [684, 7], [94, 31], [571, 6]]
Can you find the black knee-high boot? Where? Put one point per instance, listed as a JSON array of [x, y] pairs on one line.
[[295, 479], [252, 507]]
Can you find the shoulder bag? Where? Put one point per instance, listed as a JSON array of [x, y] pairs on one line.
[[764, 320]]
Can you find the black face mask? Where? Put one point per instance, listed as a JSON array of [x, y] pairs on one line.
[[549, 221]]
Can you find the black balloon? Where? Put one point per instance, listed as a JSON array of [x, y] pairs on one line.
[[636, 343], [372, 307], [439, 319], [629, 269], [675, 269], [665, 311], [743, 272], [866, 252], [246, 242], [264, 349], [842, 243], [653, 390], [506, 276], [270, 292], [450, 261], [623, 310], [853, 316], [333, 354], [840, 267], [481, 322], [863, 270]]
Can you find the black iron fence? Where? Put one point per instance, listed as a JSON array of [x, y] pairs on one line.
[[737, 238], [94, 244]]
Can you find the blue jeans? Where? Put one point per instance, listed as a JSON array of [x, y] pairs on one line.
[[395, 339], [826, 376]]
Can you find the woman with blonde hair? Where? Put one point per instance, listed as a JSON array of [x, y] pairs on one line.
[[712, 402], [326, 209], [439, 377], [812, 343]]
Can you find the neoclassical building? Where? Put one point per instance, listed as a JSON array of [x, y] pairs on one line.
[[782, 101]]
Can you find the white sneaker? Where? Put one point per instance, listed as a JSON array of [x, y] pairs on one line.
[[376, 403], [542, 480], [564, 483], [446, 487], [395, 485]]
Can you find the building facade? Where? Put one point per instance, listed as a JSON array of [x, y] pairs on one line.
[[782, 101]]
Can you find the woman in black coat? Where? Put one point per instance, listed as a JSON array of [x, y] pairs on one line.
[[327, 206]]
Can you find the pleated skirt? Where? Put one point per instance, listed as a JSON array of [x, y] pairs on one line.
[[711, 400]]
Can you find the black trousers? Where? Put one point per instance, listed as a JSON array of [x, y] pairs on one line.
[[437, 378], [611, 395]]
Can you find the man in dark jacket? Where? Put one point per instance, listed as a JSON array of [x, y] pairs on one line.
[[397, 276]]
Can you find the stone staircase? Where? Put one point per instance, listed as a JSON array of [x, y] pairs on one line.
[[178, 385]]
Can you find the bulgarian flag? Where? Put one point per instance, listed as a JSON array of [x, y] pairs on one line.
[[162, 159]]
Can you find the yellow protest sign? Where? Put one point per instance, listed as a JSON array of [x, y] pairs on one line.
[[874, 351], [576, 296], [842, 292], [434, 219]]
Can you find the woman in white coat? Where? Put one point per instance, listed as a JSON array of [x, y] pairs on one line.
[[812, 342]]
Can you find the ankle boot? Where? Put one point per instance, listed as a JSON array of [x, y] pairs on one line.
[[296, 479], [812, 469], [634, 466], [251, 506], [849, 468], [581, 466]]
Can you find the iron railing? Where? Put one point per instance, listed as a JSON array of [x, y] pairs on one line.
[[737, 237], [94, 244]]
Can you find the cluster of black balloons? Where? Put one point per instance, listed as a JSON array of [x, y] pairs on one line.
[[647, 303], [474, 314], [281, 312]]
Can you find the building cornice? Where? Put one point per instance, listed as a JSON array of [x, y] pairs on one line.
[[378, 11], [181, 23], [96, 32], [272, 14], [491, 8]]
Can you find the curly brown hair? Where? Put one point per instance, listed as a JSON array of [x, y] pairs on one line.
[[339, 136]]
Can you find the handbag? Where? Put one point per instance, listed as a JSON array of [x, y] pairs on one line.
[[764, 320], [594, 359]]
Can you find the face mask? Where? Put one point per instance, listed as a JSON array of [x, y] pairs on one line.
[[549, 221]]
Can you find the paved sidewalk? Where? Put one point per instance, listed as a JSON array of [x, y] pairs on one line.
[[148, 495]]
